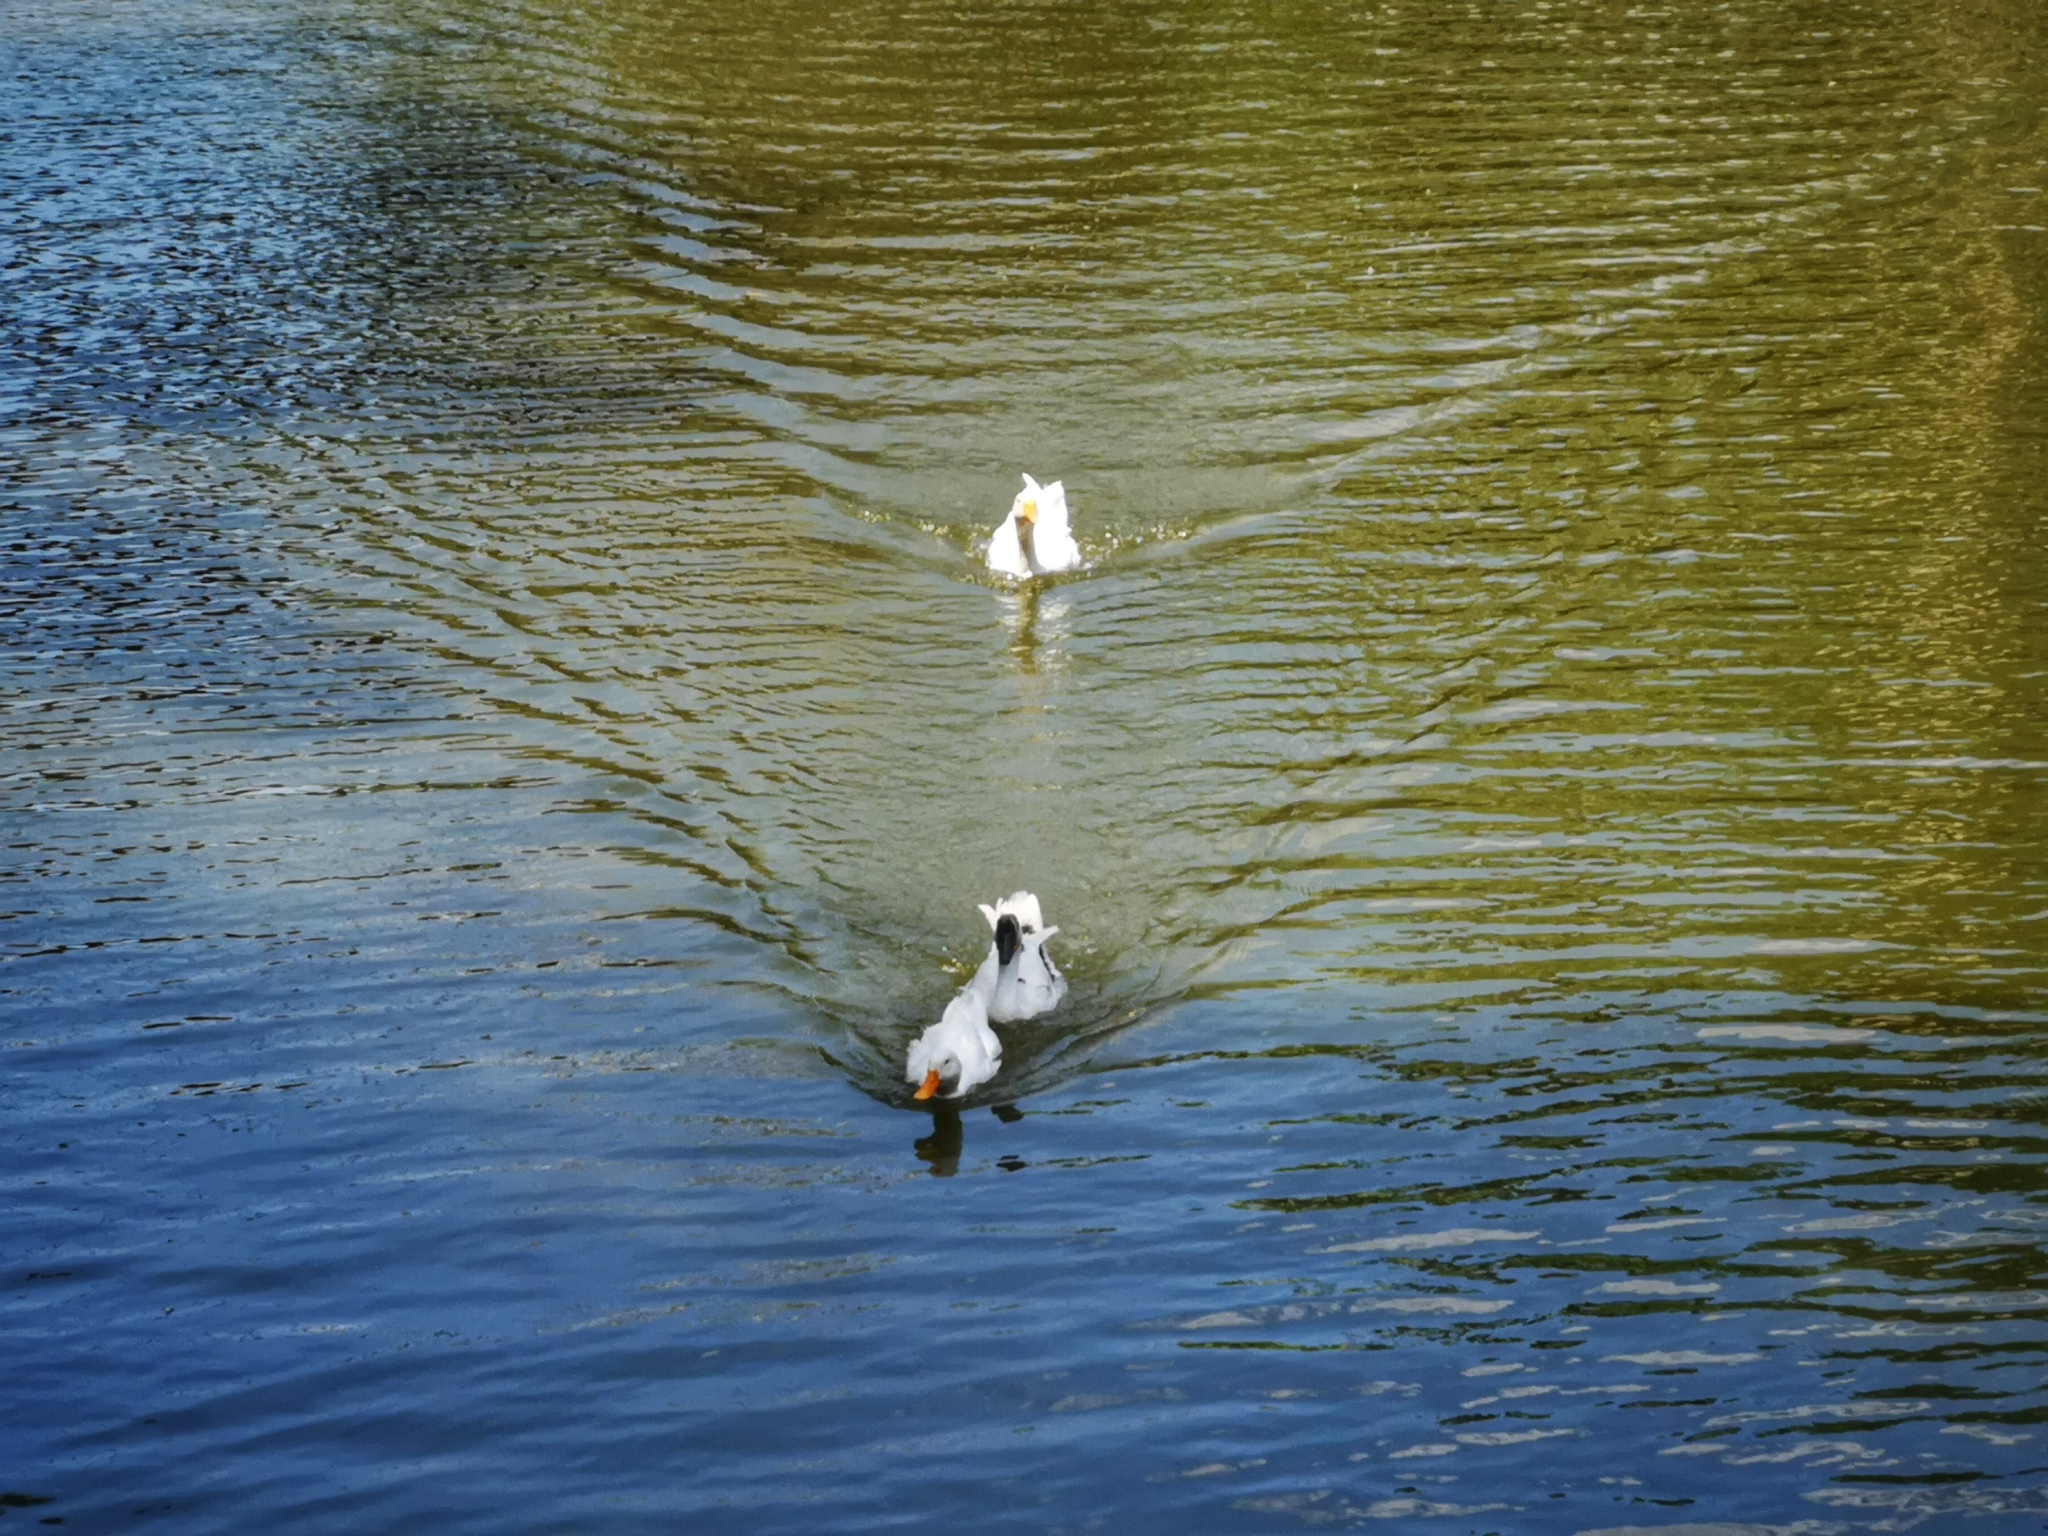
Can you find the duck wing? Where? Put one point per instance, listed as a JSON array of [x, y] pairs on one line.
[[1006, 550], [1040, 986], [1052, 540]]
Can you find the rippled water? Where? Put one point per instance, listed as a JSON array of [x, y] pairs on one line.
[[1543, 780]]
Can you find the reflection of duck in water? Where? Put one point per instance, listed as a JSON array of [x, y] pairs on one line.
[[1034, 539], [1017, 980], [942, 1148], [948, 1139]]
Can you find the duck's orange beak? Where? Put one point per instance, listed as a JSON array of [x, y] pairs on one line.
[[1028, 513], [931, 1086]]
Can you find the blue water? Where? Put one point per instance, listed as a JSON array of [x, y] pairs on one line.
[[503, 730]]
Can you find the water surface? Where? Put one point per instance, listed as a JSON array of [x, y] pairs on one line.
[[1541, 780]]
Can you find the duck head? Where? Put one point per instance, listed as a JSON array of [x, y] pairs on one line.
[[1025, 507], [1024, 513], [941, 1071], [1036, 502]]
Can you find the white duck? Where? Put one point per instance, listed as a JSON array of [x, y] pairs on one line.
[[1034, 539], [1017, 979], [957, 1053]]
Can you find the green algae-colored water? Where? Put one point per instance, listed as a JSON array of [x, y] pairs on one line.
[[1543, 780]]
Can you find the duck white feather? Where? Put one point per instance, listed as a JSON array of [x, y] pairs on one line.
[[1018, 979], [958, 1053], [1035, 540]]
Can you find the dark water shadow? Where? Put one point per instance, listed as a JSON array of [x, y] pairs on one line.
[[942, 1148]]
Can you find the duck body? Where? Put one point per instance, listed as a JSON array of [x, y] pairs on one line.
[[1035, 539], [1017, 979], [957, 1054]]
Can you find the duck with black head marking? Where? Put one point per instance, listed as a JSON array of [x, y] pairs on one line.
[[1018, 979]]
